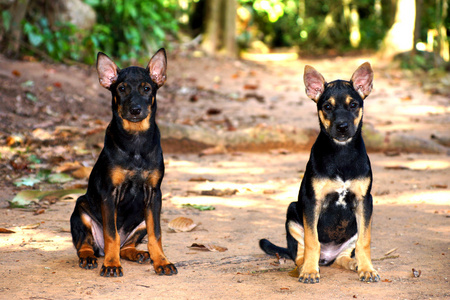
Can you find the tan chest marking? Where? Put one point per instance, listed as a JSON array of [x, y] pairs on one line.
[[323, 187], [119, 175]]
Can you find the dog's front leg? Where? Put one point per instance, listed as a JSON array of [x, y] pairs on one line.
[[310, 270], [161, 264], [362, 252], [111, 264]]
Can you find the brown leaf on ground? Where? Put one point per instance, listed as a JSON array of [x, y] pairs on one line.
[[31, 226], [68, 166], [214, 150], [82, 172], [213, 111], [269, 192], [396, 168], [218, 192], [294, 273], [280, 151], [182, 224], [4, 230], [250, 86], [439, 186], [208, 247], [199, 179]]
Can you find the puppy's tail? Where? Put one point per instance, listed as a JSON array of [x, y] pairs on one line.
[[272, 249]]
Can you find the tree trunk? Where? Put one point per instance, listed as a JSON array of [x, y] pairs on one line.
[[220, 33], [11, 40], [418, 22], [211, 36], [229, 34], [400, 37]]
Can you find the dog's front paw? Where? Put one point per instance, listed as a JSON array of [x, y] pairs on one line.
[[369, 275], [309, 276], [89, 262], [112, 271], [168, 269]]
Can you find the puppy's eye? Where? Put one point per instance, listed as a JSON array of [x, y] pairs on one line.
[[146, 89], [327, 106], [121, 88], [353, 104]]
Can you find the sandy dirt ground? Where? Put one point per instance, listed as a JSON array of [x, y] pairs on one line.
[[411, 221]]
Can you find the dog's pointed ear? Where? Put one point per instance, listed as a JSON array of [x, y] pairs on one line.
[[107, 70], [314, 83], [157, 67], [362, 80]]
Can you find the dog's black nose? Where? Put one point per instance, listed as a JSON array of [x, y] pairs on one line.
[[342, 127], [135, 110]]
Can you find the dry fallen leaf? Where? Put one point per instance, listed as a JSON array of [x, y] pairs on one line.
[[280, 151], [41, 134], [182, 224], [31, 226], [416, 273], [294, 273], [199, 179], [70, 197], [396, 168], [269, 192], [208, 247], [68, 166], [214, 150], [219, 193], [82, 172], [4, 230]]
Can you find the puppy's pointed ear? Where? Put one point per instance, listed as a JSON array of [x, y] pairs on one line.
[[107, 70], [314, 83], [157, 67], [362, 80]]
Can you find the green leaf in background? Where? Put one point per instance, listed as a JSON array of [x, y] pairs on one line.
[[199, 207], [27, 181], [34, 159], [59, 178], [26, 198]]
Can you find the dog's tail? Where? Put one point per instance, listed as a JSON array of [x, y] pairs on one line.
[[273, 249]]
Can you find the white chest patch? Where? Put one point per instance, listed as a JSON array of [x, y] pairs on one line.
[[342, 191], [324, 186]]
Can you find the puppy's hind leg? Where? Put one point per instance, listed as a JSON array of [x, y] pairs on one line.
[[129, 251], [81, 226]]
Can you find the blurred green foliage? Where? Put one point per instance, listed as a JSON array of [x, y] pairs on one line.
[[128, 30], [131, 29]]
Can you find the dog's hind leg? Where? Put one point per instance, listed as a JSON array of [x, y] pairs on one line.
[[81, 226], [129, 251], [346, 258]]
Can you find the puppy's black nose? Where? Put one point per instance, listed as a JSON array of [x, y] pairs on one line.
[[342, 127], [135, 110]]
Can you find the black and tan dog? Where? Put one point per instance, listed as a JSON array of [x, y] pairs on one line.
[[123, 200], [331, 221]]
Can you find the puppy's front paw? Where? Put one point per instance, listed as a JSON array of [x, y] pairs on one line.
[[309, 276], [168, 269], [369, 275], [112, 271], [89, 262]]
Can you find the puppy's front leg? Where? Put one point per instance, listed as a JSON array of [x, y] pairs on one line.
[[111, 264], [310, 270], [153, 201], [362, 252]]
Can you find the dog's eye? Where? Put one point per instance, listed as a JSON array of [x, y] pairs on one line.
[[353, 105], [121, 88], [146, 89], [327, 106]]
